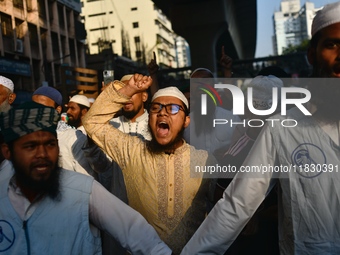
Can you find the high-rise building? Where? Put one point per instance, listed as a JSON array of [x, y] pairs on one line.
[[37, 38], [182, 52], [292, 24], [132, 29]]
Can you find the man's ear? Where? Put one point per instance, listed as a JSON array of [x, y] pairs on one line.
[[83, 112], [311, 52], [59, 109], [11, 98], [5, 151], [187, 121], [145, 96]]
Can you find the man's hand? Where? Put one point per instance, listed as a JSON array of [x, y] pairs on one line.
[[153, 66], [226, 62], [137, 83]]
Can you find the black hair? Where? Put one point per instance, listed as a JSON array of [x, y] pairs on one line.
[[83, 107], [315, 40], [274, 70]]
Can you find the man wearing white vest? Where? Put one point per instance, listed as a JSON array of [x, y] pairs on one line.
[[309, 188], [48, 210]]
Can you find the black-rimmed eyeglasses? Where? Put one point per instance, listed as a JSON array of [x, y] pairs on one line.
[[169, 108]]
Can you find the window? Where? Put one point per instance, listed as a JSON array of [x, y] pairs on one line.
[[137, 39], [18, 4], [19, 25], [33, 33], [61, 17], [134, 9], [29, 5], [138, 54], [43, 36], [6, 25], [135, 24], [42, 9]]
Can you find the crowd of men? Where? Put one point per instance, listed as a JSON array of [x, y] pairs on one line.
[[117, 178]]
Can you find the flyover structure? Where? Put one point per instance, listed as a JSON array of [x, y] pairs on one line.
[[209, 24]]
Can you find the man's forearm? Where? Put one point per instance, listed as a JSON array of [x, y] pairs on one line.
[[107, 104]]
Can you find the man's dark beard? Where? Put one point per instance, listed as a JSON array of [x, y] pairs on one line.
[[154, 147], [129, 114], [74, 123], [50, 187], [326, 97]]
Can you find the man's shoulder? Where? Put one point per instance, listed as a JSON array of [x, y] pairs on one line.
[[6, 170], [76, 181], [200, 155], [225, 114], [69, 136], [292, 121]]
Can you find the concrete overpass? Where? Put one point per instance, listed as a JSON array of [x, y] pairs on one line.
[[209, 24]]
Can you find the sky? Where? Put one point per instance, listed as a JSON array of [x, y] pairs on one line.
[[265, 11]]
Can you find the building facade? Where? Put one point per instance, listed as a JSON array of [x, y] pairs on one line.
[[182, 52], [38, 37], [132, 29], [292, 24]]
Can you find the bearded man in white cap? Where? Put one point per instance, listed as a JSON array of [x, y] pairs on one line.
[[7, 97], [157, 173], [307, 160], [77, 107]]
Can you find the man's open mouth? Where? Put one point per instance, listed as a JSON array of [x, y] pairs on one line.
[[162, 128]]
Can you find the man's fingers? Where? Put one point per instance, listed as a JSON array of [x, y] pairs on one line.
[[141, 81], [223, 51], [154, 56], [138, 77]]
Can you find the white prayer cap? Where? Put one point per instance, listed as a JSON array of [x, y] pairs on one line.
[[7, 83], [201, 69], [81, 99], [328, 15], [126, 77], [263, 90], [171, 92]]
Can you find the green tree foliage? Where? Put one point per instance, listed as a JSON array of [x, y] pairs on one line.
[[296, 48]]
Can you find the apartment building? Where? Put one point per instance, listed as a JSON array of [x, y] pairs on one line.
[[37, 38], [132, 29], [292, 24]]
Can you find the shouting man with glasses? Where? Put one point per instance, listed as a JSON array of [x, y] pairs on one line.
[[157, 173]]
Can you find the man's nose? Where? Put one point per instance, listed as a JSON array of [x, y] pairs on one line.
[[41, 151]]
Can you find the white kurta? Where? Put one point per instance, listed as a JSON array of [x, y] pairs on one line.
[[309, 202], [72, 156]]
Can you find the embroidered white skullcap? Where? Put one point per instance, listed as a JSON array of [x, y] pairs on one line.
[[263, 90], [7, 83], [81, 99], [126, 77], [171, 92], [328, 15]]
